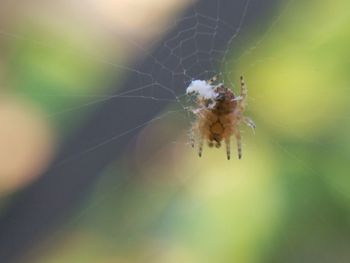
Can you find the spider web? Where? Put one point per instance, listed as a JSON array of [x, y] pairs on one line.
[[202, 45]]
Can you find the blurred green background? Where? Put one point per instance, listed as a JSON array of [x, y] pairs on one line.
[[287, 200]]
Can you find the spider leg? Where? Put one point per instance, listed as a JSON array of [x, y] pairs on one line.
[[213, 79], [192, 136], [239, 144], [242, 103], [243, 91], [250, 123], [243, 94], [200, 146], [228, 148]]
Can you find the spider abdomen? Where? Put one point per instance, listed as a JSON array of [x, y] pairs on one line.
[[219, 129]]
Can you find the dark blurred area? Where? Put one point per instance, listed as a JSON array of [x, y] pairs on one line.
[[95, 164]]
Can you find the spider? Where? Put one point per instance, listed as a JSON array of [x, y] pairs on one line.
[[218, 115]]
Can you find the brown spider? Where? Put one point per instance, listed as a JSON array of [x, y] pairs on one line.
[[218, 115]]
